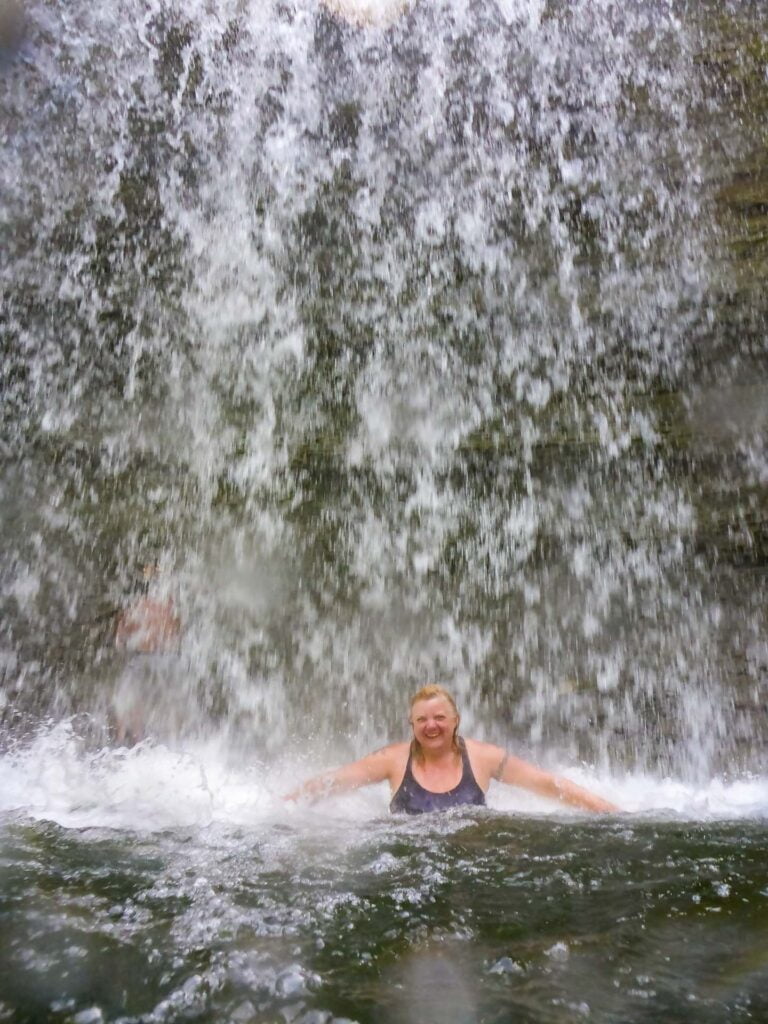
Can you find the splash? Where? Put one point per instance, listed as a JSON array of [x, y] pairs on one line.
[[152, 787]]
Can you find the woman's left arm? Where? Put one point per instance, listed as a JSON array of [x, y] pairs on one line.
[[516, 772]]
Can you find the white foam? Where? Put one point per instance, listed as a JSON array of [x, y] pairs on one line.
[[152, 787], [148, 787]]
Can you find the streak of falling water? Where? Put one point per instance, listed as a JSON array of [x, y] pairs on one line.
[[379, 336]]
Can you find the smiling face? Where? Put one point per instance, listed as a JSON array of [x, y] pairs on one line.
[[435, 723]]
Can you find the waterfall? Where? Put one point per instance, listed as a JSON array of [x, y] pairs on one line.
[[405, 341]]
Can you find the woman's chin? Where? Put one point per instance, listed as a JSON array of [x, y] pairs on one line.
[[434, 743]]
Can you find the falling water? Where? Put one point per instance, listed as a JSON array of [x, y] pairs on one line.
[[404, 348], [406, 342]]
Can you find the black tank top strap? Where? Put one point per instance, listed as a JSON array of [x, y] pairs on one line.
[[464, 755]]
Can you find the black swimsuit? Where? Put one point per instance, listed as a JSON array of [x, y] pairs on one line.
[[412, 798]]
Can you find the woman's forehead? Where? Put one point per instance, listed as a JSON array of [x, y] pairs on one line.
[[432, 705]]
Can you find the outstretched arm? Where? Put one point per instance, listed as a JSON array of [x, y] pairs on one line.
[[516, 772], [375, 767]]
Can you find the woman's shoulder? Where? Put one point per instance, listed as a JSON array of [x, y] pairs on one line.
[[392, 753], [398, 751], [387, 762], [487, 754]]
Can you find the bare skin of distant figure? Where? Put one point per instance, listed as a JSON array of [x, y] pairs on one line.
[[377, 13], [148, 626]]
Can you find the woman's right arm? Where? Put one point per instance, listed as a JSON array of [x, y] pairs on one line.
[[376, 767]]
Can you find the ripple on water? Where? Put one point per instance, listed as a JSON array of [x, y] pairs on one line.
[[496, 913]]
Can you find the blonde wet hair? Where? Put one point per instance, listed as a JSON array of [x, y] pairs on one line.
[[428, 692]]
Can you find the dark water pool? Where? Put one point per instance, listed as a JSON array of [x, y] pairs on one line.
[[462, 918]]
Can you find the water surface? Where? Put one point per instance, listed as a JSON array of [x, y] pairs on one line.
[[157, 886]]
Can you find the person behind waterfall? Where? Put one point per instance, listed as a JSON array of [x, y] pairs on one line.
[[439, 769], [148, 633]]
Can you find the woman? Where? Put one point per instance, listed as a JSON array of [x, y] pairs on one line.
[[438, 769]]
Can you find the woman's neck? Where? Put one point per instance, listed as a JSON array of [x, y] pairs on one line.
[[438, 758]]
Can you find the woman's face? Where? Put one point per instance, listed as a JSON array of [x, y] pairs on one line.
[[434, 723]]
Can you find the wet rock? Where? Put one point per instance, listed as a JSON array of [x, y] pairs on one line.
[[291, 983], [506, 965], [90, 1016], [291, 1012], [558, 952], [315, 1017], [243, 1013]]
